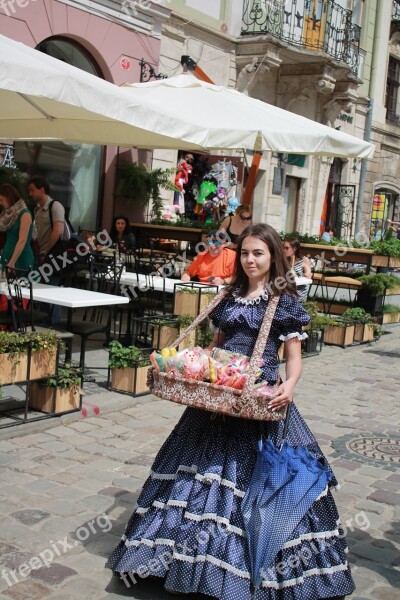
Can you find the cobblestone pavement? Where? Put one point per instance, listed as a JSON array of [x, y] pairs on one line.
[[68, 485]]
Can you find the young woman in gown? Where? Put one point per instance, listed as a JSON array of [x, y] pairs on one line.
[[187, 527]]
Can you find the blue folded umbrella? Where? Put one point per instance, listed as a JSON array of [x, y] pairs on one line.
[[284, 484]]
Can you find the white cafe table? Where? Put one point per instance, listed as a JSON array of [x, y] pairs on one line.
[[166, 284], [67, 296]]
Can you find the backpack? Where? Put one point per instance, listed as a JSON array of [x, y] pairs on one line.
[[68, 242]]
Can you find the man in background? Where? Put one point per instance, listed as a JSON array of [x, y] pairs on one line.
[[48, 229], [215, 265]]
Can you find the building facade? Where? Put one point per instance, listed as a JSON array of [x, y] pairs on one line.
[[336, 62], [109, 39]]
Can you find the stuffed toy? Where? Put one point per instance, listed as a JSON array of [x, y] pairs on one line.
[[193, 365], [233, 203], [220, 204]]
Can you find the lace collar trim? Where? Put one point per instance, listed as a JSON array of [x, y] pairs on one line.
[[249, 301]]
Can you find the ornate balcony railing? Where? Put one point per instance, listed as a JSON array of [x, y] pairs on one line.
[[396, 10], [317, 25]]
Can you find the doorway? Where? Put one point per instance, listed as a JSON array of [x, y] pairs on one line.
[[290, 203]]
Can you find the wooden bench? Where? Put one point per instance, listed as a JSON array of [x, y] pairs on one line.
[[332, 256]]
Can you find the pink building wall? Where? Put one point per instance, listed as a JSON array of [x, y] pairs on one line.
[[106, 42]]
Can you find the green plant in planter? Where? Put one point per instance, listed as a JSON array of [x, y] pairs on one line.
[[68, 376], [135, 182], [391, 309], [13, 343], [376, 285], [42, 341], [318, 321], [358, 315], [121, 357], [390, 247]]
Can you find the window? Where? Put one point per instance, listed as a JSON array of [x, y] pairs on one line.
[[73, 170], [392, 90]]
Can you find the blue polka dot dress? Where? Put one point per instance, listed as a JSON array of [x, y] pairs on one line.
[[187, 526]]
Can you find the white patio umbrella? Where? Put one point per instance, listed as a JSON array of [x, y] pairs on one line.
[[42, 98]]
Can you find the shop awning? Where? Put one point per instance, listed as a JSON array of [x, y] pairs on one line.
[[42, 98]]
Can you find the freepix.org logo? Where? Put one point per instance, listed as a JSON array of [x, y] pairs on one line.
[[9, 7]]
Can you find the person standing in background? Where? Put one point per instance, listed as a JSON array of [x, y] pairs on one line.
[[300, 264], [48, 229], [235, 225], [16, 221]]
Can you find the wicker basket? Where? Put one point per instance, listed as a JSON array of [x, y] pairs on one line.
[[246, 403]]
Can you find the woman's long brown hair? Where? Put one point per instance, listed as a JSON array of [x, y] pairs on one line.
[[279, 263]]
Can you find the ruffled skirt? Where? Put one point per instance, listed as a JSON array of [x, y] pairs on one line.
[[187, 526]]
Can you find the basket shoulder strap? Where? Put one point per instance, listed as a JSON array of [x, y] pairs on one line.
[[214, 302], [260, 345]]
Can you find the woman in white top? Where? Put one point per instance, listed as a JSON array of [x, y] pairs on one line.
[[299, 263]]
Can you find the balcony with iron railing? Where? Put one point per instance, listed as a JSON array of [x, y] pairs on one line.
[[314, 25]]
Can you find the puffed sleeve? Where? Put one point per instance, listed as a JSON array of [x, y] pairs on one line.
[[216, 314], [291, 318]]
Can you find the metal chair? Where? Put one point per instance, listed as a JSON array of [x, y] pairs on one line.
[[105, 278], [23, 312]]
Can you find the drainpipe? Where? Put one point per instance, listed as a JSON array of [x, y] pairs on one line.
[[363, 170], [382, 10]]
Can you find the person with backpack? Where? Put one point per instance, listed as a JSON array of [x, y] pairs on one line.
[[50, 229]]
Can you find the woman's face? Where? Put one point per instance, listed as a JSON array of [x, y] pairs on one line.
[[120, 225], [256, 259], [288, 249], [245, 217], [4, 201]]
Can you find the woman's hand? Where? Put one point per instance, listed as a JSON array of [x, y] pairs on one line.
[[282, 397]]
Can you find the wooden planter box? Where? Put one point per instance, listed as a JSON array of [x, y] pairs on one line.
[[336, 308], [165, 335], [391, 318], [339, 336], [193, 300], [385, 261], [43, 363], [363, 332], [394, 291], [41, 398], [13, 368], [132, 380]]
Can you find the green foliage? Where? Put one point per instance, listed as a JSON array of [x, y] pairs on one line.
[[391, 308], [390, 247], [187, 289], [302, 237], [42, 341], [13, 343], [318, 321], [68, 376], [16, 178], [357, 315], [204, 334], [184, 321], [135, 182], [121, 357], [379, 283]]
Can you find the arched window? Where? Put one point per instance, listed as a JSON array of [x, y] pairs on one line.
[[73, 170]]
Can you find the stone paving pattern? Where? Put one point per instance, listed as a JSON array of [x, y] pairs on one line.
[[68, 485]]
